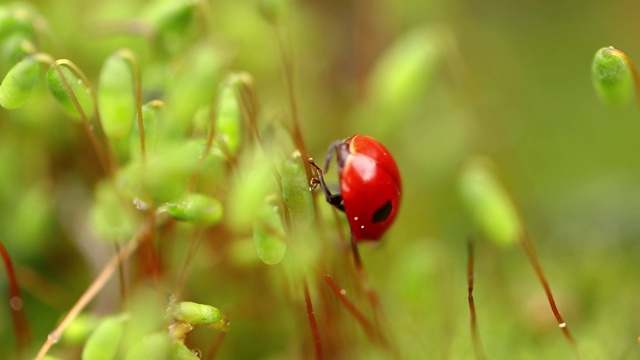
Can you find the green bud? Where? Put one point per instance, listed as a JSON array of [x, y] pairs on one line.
[[489, 204], [295, 192], [228, 125], [612, 76], [17, 19], [116, 96], [401, 77], [103, 342], [164, 176], [80, 329], [196, 208], [14, 48], [253, 183], [170, 15], [19, 83], [274, 10], [303, 245], [196, 314], [78, 88], [154, 346], [268, 232], [112, 219], [192, 87]]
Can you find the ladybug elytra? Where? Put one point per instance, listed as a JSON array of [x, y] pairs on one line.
[[370, 185]]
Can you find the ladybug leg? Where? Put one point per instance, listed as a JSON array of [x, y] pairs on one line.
[[334, 147], [333, 199]]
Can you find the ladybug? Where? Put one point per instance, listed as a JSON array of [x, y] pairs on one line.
[[370, 185]]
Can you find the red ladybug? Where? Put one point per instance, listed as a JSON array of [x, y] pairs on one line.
[[370, 185]]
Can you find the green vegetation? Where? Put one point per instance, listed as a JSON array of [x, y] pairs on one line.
[[155, 203]]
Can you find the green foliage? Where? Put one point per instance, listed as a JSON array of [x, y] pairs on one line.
[[223, 133]]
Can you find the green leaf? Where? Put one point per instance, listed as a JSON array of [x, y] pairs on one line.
[[196, 314], [103, 342], [19, 83], [78, 88], [196, 208], [116, 97], [268, 232], [488, 203], [612, 76]]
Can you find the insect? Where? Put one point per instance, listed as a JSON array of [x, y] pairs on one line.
[[370, 185]]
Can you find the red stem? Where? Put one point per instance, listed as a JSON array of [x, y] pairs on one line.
[[20, 324], [533, 259], [477, 345], [312, 322], [362, 320]]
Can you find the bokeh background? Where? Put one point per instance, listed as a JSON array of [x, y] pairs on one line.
[[506, 79]]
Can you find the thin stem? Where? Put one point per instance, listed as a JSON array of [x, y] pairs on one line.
[[477, 345], [122, 277], [372, 295], [135, 68], [97, 285], [525, 241], [315, 331], [194, 244], [213, 351], [20, 324], [288, 72], [102, 157], [373, 335], [207, 147]]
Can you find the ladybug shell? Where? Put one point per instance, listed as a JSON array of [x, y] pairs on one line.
[[370, 186]]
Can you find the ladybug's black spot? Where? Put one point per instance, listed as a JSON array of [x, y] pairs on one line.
[[382, 213]]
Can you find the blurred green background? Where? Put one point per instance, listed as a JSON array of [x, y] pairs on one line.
[[506, 79]]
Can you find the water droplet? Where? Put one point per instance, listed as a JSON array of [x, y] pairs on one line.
[[361, 226], [197, 352], [355, 218], [562, 326], [343, 292], [16, 303], [54, 338]]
